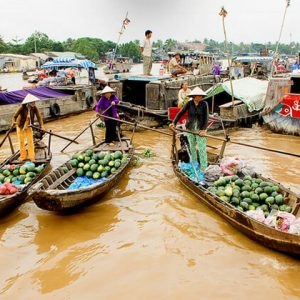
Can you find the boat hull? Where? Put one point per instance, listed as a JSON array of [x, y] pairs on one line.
[[60, 199], [267, 236]]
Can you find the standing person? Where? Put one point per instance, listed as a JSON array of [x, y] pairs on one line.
[[174, 66], [197, 121], [107, 104], [146, 49], [183, 94], [23, 118]]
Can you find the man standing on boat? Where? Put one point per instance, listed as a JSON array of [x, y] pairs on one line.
[[107, 107], [146, 49], [23, 118]]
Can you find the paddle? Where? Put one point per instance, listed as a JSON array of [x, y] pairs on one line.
[[7, 134], [190, 157], [54, 134], [241, 144], [84, 130]]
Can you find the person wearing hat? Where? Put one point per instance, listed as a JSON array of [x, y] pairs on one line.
[[107, 104], [23, 118], [197, 110], [174, 66]]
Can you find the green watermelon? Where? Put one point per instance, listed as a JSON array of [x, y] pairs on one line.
[[80, 172], [94, 167], [96, 175], [89, 174]]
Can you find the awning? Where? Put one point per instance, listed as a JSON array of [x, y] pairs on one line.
[[69, 63], [249, 90]]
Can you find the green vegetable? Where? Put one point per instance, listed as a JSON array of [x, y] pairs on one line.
[[79, 172], [74, 163], [89, 174]]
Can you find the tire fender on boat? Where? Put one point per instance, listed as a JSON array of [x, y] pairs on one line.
[[89, 101], [54, 110]]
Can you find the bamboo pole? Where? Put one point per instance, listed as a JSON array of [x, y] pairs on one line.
[[288, 2], [223, 14]]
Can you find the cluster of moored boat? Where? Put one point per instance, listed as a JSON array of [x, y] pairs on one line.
[[50, 190]]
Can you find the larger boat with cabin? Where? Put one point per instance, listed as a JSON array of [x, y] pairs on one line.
[[56, 101], [282, 108]]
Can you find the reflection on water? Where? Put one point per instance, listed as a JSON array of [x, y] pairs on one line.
[[148, 238]]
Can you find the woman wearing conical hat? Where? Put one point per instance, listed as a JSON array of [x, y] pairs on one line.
[[197, 121], [23, 118], [107, 104]]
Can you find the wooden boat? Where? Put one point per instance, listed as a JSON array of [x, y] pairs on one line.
[[51, 192], [147, 98], [265, 235], [282, 106], [43, 156]]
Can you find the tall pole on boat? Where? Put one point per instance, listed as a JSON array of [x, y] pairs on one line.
[[125, 22], [288, 2], [223, 14]]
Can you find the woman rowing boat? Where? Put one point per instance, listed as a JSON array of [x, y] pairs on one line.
[[107, 106], [23, 118], [197, 121]]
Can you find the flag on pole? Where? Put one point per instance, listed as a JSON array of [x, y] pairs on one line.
[[288, 3], [223, 12], [126, 22]]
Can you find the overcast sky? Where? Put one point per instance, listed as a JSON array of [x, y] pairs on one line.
[[247, 20]]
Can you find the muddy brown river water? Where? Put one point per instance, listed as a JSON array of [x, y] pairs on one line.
[[148, 238]]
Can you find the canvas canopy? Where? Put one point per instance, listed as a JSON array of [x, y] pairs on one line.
[[69, 62], [251, 91]]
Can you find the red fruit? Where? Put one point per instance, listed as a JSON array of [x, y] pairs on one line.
[[2, 190]]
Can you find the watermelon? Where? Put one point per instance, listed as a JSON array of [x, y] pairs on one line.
[[104, 174], [100, 168], [79, 172], [94, 167], [89, 153], [101, 155], [86, 167], [89, 174], [74, 163], [118, 154], [96, 175]]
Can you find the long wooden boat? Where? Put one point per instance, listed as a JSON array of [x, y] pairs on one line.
[[282, 106], [51, 192], [258, 231], [43, 157]]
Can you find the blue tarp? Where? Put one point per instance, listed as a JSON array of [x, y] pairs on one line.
[[69, 63]]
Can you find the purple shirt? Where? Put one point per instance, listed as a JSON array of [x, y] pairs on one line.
[[104, 103], [217, 70]]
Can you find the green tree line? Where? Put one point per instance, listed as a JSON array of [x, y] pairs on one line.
[[96, 48]]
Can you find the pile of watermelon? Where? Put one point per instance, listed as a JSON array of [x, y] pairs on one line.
[[250, 193], [98, 165], [19, 174]]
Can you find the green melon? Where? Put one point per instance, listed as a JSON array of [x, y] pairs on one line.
[[86, 167], [89, 152], [80, 172], [96, 175], [94, 167], [74, 163], [89, 174]]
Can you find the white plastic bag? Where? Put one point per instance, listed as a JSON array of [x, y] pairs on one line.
[[257, 215], [295, 227]]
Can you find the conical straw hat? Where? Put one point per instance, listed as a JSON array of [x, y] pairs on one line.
[[197, 92], [107, 89], [30, 98]]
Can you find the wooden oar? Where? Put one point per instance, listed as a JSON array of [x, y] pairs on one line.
[[265, 148], [241, 144], [7, 134], [54, 134], [84, 130], [145, 127], [137, 124]]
